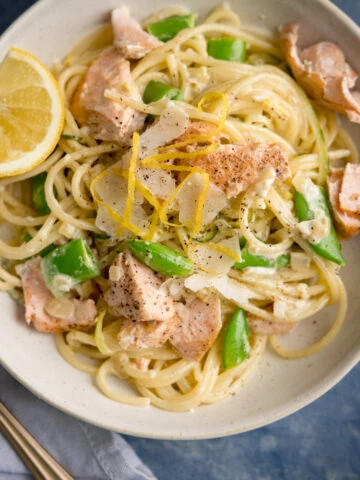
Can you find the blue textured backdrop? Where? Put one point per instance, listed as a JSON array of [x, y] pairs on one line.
[[321, 442]]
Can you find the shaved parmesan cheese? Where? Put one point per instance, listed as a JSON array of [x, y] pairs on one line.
[[227, 287], [307, 188], [175, 287], [315, 230], [172, 123], [112, 191], [159, 182], [260, 271], [208, 258], [262, 186], [188, 198], [115, 273], [290, 309]]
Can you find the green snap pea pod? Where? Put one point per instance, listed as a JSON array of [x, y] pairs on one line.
[[230, 49], [250, 260], [68, 265], [169, 27], [236, 346], [328, 247], [38, 193], [160, 258], [155, 91]]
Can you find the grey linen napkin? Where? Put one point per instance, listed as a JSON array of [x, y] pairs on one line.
[[85, 451]]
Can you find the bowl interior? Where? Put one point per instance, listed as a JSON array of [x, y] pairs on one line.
[[280, 387]]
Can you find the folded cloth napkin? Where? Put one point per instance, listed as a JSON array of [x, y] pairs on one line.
[[85, 451]]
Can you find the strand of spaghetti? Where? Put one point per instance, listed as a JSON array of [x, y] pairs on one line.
[[286, 218], [51, 199], [230, 381], [75, 338], [245, 131], [23, 220], [77, 191], [156, 108], [54, 158], [67, 74], [99, 335], [160, 353], [223, 13], [326, 339], [103, 372], [9, 279], [193, 398], [71, 357], [166, 376], [299, 290], [256, 245], [158, 54], [45, 236], [346, 139]]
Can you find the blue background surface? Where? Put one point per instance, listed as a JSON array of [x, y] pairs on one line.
[[320, 442]]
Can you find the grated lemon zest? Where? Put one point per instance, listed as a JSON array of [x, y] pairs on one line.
[[156, 161], [133, 184]]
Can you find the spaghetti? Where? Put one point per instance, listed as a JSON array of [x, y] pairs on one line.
[[244, 104]]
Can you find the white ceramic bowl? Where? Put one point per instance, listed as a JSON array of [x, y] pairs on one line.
[[280, 387]]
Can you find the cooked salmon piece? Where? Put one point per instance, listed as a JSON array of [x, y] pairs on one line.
[[138, 294], [266, 327], [129, 38], [233, 168], [146, 334], [198, 328], [107, 120], [347, 221], [200, 128], [79, 315], [323, 73], [349, 196]]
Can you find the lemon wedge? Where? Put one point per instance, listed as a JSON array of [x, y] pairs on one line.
[[31, 113]]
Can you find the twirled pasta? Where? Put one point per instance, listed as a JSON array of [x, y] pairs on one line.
[[264, 105]]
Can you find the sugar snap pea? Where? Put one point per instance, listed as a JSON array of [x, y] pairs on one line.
[[236, 346], [160, 258], [328, 247]]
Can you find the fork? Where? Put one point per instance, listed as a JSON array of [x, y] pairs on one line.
[[36, 458]]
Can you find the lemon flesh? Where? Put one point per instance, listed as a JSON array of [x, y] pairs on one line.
[[31, 113]]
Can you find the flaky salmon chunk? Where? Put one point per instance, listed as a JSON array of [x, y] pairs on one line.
[[344, 194], [233, 168], [323, 73], [141, 335], [107, 120], [198, 328], [266, 327], [80, 315], [138, 294], [129, 38]]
